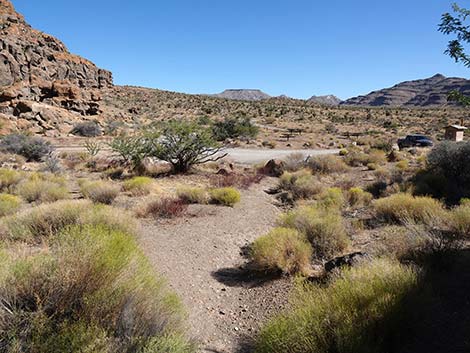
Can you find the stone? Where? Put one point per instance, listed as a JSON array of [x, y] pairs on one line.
[[274, 168]]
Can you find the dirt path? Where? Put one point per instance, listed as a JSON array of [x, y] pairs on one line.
[[201, 254]]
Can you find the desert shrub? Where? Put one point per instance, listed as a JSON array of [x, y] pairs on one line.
[[225, 196], [294, 162], [402, 165], [399, 242], [326, 164], [52, 164], [331, 199], [138, 186], [87, 129], [404, 208], [372, 166], [282, 249], [448, 171], [357, 158], [33, 148], [360, 311], [91, 290], [358, 197], [323, 228], [35, 224], [231, 128], [38, 189], [9, 204], [100, 191], [192, 195], [9, 179], [166, 207], [302, 184]]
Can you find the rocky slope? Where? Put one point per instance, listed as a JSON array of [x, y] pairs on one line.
[[432, 91], [43, 87], [325, 100], [243, 94]]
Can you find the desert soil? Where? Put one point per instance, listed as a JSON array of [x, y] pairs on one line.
[[202, 257]]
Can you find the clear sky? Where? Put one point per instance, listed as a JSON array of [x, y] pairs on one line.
[[293, 47]]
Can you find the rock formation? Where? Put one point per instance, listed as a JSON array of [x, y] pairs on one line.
[[42, 85]]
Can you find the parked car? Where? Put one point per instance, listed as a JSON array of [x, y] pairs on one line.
[[415, 141]]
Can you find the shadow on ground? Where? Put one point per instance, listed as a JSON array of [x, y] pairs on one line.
[[243, 277]]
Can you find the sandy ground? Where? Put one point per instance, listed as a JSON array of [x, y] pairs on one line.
[[201, 257]]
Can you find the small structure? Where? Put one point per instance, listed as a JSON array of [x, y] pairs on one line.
[[455, 133]]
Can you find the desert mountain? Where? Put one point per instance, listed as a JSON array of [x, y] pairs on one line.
[[243, 94], [41, 83], [325, 100], [431, 91]]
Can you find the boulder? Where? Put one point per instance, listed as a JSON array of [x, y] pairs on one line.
[[274, 168]]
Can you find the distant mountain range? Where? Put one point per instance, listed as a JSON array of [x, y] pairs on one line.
[[431, 91], [243, 94], [325, 100], [426, 92]]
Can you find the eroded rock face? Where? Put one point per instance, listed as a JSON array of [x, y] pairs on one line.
[[37, 67]]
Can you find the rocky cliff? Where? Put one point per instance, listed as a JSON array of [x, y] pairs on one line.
[[43, 86]]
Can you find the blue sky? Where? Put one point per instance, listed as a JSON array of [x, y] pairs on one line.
[[293, 47]]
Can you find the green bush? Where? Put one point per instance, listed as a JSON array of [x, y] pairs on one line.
[[332, 199], [282, 249], [138, 186], [35, 224], [361, 311], [225, 196], [9, 204], [91, 290], [231, 128], [100, 191], [192, 195], [322, 227], [404, 208]]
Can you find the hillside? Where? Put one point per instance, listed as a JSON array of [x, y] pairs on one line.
[[431, 91]]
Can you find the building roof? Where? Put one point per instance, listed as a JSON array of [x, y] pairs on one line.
[[457, 127]]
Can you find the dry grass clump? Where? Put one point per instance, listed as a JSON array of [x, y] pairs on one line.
[[398, 242], [9, 204], [100, 191], [301, 184], [9, 179], [324, 229], [166, 207], [193, 195], [139, 186], [358, 158], [460, 220], [240, 180], [225, 196], [282, 249], [361, 310], [357, 197], [404, 208], [327, 164], [91, 290], [35, 224], [39, 190]]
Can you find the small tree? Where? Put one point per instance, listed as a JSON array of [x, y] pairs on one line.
[[183, 144], [240, 127], [132, 149], [455, 24]]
